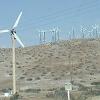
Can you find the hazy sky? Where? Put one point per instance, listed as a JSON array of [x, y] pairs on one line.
[[44, 15]]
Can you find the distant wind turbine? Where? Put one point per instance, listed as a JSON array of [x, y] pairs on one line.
[[57, 33], [95, 28], [73, 32], [40, 37], [83, 30], [44, 35]]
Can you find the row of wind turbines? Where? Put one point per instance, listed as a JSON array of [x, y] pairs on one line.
[[90, 32], [54, 32]]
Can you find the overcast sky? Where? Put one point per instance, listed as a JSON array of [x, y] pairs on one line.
[[45, 15]]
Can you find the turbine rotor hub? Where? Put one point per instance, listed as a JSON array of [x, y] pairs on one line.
[[13, 31]]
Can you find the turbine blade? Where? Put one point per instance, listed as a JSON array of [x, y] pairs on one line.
[[20, 42], [4, 31], [17, 21]]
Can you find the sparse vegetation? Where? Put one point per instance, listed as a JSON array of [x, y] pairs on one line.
[[49, 68], [37, 78], [95, 83], [29, 79], [33, 90]]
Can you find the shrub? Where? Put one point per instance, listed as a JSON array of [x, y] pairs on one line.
[[22, 77], [50, 95], [32, 90], [37, 78], [29, 79], [95, 83]]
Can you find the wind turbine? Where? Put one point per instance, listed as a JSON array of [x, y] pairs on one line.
[[52, 35], [14, 37], [83, 30], [73, 32], [44, 38], [57, 33], [40, 37], [95, 28], [69, 33]]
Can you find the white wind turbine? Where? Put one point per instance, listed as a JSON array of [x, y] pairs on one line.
[[42, 36], [52, 35], [83, 32], [57, 33], [95, 28], [14, 37], [73, 32]]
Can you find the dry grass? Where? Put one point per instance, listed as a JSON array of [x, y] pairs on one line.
[[50, 66]]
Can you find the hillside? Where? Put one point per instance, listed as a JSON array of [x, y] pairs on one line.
[[49, 66]]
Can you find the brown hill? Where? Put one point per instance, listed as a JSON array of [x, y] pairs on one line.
[[51, 65]]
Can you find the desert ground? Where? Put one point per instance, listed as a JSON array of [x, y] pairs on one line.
[[43, 70]]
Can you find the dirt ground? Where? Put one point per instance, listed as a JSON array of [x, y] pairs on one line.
[[43, 70]]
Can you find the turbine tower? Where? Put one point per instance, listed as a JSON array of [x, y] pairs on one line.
[[82, 32], [40, 37], [14, 37], [73, 32], [44, 38], [57, 34], [52, 35]]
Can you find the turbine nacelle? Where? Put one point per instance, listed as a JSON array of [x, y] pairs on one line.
[[13, 31]]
